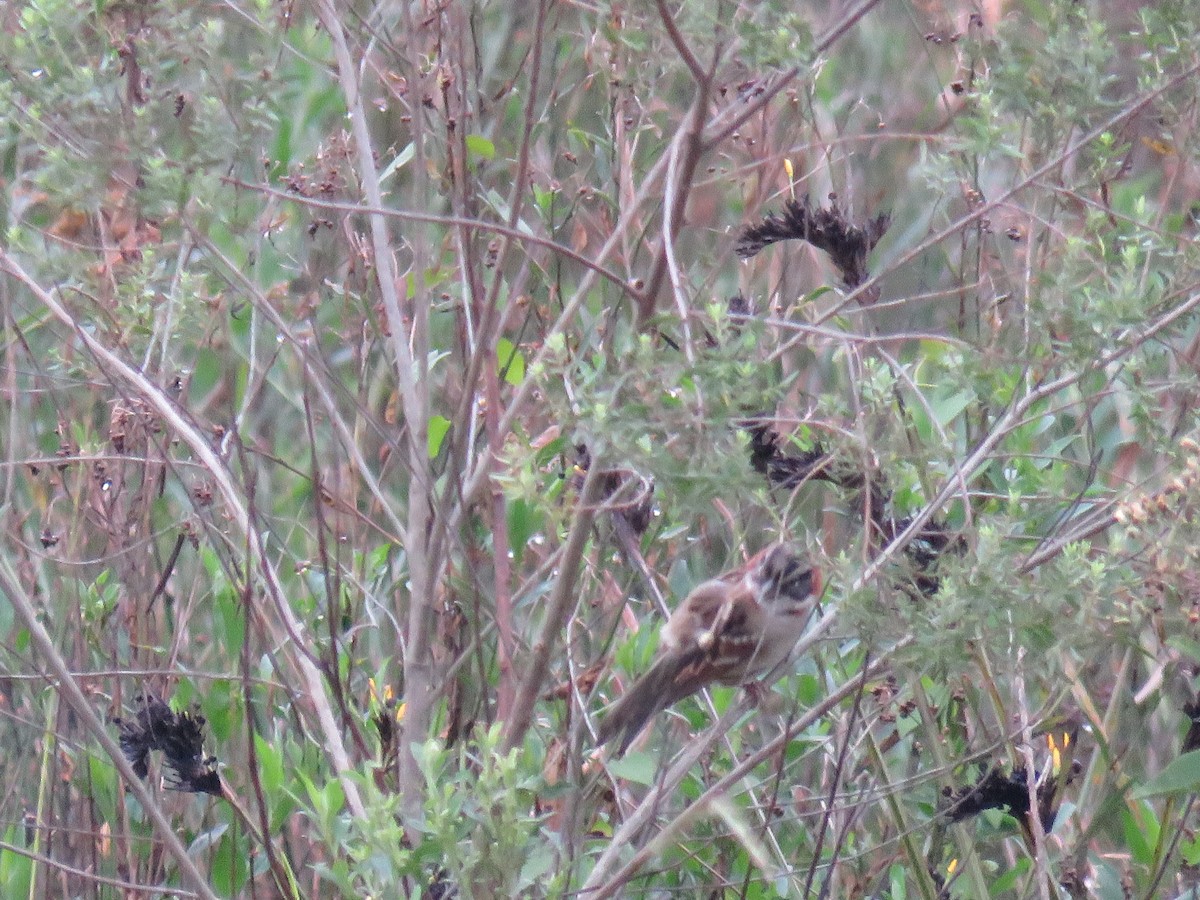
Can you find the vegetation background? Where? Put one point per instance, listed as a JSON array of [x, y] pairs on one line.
[[372, 383]]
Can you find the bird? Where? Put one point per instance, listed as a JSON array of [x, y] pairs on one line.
[[730, 630]]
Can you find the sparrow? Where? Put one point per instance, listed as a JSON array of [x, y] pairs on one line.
[[733, 629]]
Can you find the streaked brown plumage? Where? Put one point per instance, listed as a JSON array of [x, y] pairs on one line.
[[731, 630]]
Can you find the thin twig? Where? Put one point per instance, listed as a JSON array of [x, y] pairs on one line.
[[604, 881], [512, 233], [410, 348], [985, 209], [68, 688], [291, 638], [562, 603]]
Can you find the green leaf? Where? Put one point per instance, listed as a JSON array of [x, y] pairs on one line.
[[400, 161], [511, 361], [1190, 851], [270, 764], [206, 840], [1008, 880], [219, 709], [1182, 776], [478, 145], [537, 866], [1141, 831], [947, 409], [229, 618], [438, 426], [638, 767], [16, 871], [229, 866], [1184, 644], [334, 796], [524, 520], [547, 453]]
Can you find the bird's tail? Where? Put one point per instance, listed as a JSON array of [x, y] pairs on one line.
[[650, 694]]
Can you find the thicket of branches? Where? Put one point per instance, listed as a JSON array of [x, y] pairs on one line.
[[377, 375]]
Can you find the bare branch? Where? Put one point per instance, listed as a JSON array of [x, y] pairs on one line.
[[562, 602], [68, 689], [291, 637]]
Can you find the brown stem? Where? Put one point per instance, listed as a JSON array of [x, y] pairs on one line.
[[68, 688], [286, 631], [501, 564], [683, 172], [562, 603], [605, 882]]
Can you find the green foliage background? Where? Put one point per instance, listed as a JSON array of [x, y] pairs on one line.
[[315, 466]]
